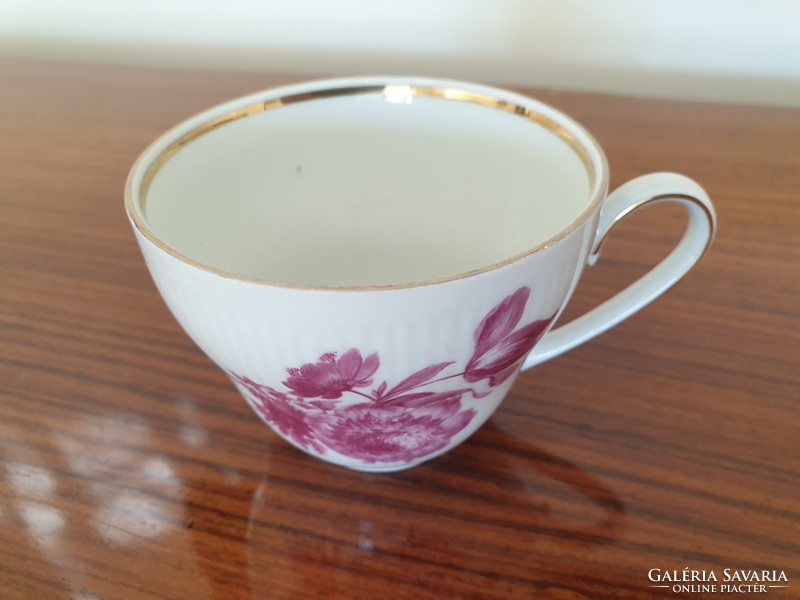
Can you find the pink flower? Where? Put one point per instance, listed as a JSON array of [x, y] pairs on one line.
[[288, 415], [390, 433], [498, 348], [329, 377]]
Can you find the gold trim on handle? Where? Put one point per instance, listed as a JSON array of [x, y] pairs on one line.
[[712, 222]]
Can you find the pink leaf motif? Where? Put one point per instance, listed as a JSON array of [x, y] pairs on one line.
[[429, 400], [501, 320], [418, 378], [377, 393]]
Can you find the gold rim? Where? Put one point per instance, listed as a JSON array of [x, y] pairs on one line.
[[569, 133]]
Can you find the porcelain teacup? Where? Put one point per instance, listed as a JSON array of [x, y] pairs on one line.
[[372, 261]]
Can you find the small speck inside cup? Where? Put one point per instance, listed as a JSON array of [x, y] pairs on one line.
[[364, 190]]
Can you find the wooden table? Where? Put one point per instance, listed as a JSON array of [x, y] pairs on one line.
[[132, 469]]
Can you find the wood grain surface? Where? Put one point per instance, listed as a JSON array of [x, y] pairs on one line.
[[131, 468]]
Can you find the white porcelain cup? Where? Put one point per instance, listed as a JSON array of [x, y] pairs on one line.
[[372, 261]]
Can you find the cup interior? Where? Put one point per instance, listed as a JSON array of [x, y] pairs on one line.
[[366, 184]]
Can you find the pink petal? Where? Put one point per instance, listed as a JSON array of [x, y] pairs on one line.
[[418, 378], [349, 364], [367, 370], [501, 356], [500, 377], [303, 387], [501, 320]]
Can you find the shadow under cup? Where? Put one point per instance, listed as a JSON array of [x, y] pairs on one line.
[[368, 185], [370, 260]]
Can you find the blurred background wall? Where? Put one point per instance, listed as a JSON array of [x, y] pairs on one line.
[[731, 50]]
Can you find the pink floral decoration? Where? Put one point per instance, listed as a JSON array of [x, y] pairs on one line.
[[292, 419], [498, 348], [389, 433], [399, 423], [330, 377]]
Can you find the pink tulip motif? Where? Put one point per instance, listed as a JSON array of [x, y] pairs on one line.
[[498, 348], [327, 405]]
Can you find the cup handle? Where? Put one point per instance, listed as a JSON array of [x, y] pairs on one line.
[[628, 198]]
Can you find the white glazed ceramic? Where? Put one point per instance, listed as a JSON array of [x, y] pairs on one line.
[[371, 260]]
